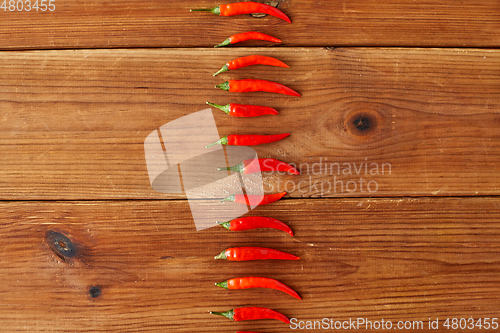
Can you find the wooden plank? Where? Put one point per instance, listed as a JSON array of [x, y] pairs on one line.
[[392, 259], [155, 23], [383, 122]]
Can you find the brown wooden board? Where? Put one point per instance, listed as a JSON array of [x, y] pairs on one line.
[[398, 259], [395, 213], [400, 122], [155, 23]]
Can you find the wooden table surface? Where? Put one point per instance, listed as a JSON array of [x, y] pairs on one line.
[[396, 212]]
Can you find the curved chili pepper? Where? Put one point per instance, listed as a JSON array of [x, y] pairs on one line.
[[250, 61], [250, 35], [257, 282], [255, 200], [254, 165], [240, 110], [248, 7], [252, 85], [252, 313], [247, 253], [248, 140], [255, 222]]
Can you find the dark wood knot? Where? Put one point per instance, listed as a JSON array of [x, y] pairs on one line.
[[362, 123], [60, 244], [95, 291]]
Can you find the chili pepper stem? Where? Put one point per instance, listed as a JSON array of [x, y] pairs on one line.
[[222, 141], [229, 198], [215, 10], [222, 70], [221, 255], [224, 43], [226, 225], [223, 86], [237, 168], [224, 108], [228, 314], [222, 284]]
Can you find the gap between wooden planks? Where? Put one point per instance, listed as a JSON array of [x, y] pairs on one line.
[[73, 123], [396, 259], [157, 23]]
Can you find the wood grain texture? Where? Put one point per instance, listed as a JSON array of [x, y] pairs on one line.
[[155, 23], [396, 259], [399, 122]]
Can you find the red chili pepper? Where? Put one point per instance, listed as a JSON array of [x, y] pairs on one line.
[[255, 200], [250, 61], [250, 35], [240, 110], [248, 140], [254, 165], [254, 253], [252, 85], [257, 282], [252, 313], [248, 7], [255, 222]]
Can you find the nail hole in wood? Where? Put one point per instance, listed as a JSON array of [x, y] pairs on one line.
[[60, 244]]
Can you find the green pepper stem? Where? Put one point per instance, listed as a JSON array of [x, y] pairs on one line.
[[224, 108], [221, 255], [222, 70], [228, 314], [222, 141], [224, 43], [229, 198], [215, 10], [237, 168], [222, 284], [223, 86], [226, 225]]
